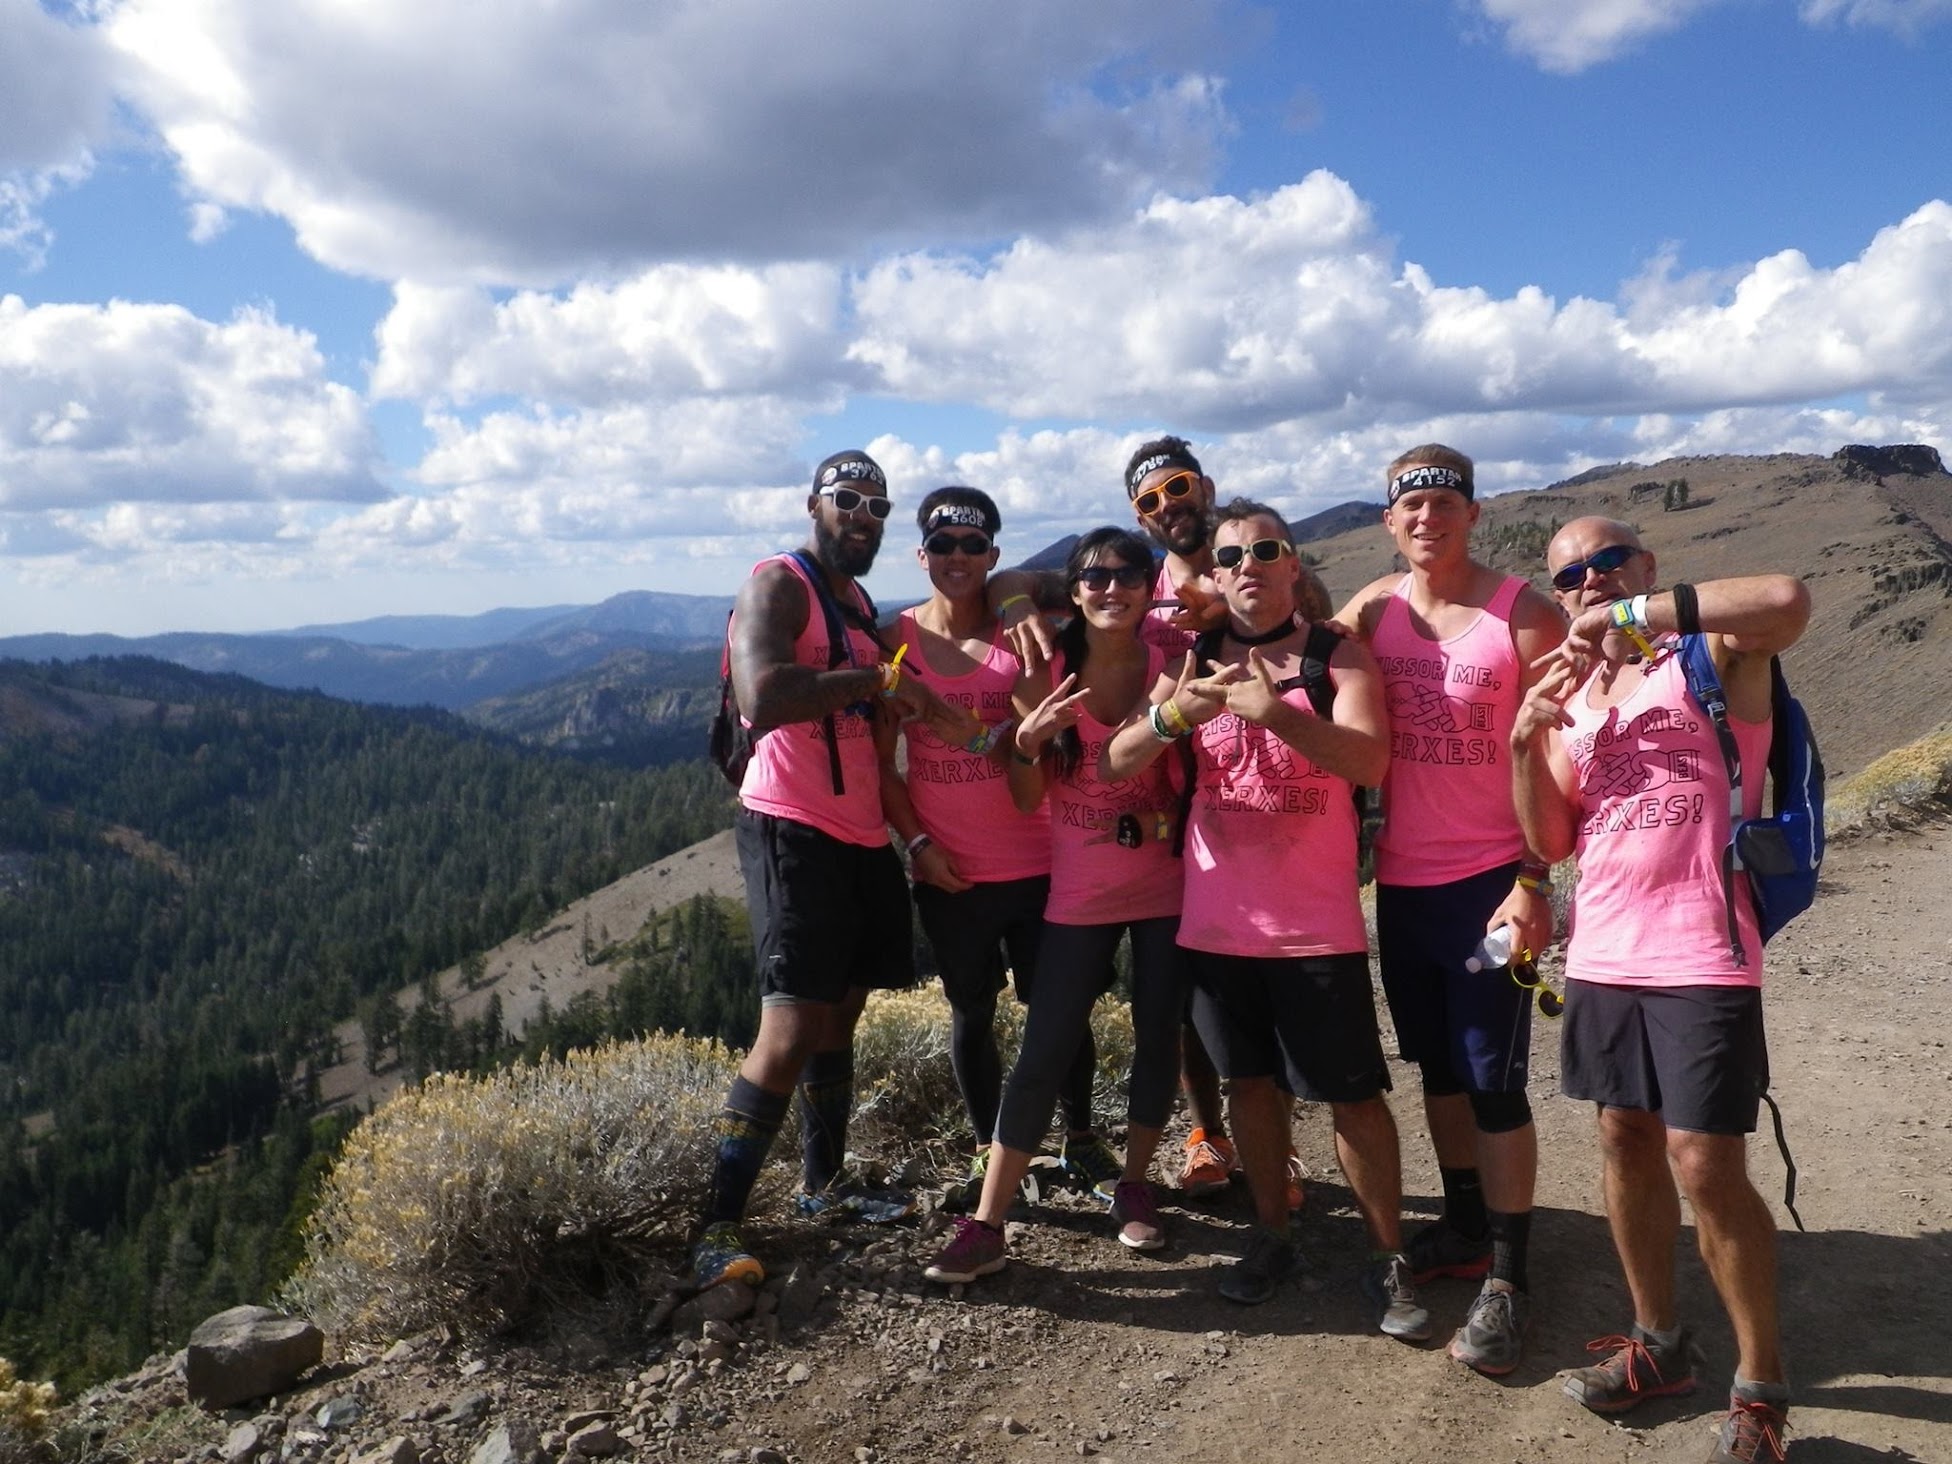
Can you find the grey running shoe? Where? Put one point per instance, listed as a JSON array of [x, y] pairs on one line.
[[1093, 1163], [974, 1250], [1389, 1285], [1136, 1214], [1632, 1370], [721, 1256], [847, 1198], [1254, 1278], [1752, 1433], [1441, 1249], [1493, 1335]]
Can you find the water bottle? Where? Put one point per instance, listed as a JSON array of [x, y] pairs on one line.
[[1493, 951]]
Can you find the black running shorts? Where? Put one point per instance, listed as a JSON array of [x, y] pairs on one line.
[[1695, 1055], [1311, 1019]]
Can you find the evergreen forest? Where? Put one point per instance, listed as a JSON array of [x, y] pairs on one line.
[[199, 877]]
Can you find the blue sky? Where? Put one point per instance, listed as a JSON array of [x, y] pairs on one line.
[[319, 310]]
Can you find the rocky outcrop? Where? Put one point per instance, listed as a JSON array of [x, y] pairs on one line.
[[1914, 458]]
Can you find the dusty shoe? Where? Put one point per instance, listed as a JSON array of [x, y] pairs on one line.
[[1752, 1433], [1492, 1338], [721, 1256], [1297, 1182], [1136, 1214], [1440, 1249], [1633, 1369], [1256, 1276], [1388, 1284], [974, 1250], [848, 1198], [1093, 1163], [1210, 1165]]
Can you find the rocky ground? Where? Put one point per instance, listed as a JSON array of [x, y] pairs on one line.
[[1082, 1349]]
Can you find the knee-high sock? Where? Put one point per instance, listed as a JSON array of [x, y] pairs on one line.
[[826, 1099], [745, 1130]]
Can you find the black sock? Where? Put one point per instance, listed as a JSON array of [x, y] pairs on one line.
[[745, 1131], [1511, 1237], [1464, 1202], [826, 1099]]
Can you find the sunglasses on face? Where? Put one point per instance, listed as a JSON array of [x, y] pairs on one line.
[[1103, 576], [943, 545], [1600, 561], [849, 500], [1153, 499], [1230, 556]]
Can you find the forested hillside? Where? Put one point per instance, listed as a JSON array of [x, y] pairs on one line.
[[198, 877]]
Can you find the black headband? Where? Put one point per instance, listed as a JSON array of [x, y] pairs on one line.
[[849, 467], [1172, 458], [958, 516], [1410, 479]]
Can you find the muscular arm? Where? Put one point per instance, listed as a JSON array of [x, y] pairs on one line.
[[1133, 748], [1360, 613], [772, 688]]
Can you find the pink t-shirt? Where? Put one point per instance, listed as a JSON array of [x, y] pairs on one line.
[[1270, 847], [1653, 820], [790, 775], [963, 798], [1112, 843], [1447, 809], [1157, 628]]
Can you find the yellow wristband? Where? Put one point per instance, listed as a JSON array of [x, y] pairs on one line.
[[891, 671]]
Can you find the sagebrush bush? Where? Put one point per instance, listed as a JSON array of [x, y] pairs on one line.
[[24, 1410], [1902, 788], [480, 1202]]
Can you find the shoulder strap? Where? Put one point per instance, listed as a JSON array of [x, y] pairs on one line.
[[1316, 652], [1705, 686], [839, 652]]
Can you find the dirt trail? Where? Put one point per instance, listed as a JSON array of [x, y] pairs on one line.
[[1081, 1349]]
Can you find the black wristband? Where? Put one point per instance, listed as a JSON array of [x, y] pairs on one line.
[[1687, 610]]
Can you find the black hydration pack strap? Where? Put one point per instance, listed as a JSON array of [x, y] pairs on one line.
[[1789, 1164]]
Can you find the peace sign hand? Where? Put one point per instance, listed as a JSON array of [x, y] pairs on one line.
[[1052, 715]]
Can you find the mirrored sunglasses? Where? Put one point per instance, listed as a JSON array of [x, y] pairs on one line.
[[1229, 556], [850, 500], [1600, 561], [941, 544], [1103, 576], [1153, 499]]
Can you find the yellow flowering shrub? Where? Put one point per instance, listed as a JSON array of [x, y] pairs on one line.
[[23, 1414]]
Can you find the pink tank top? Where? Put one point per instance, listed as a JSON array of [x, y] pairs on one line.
[[1157, 628], [1270, 847], [1447, 809], [1653, 800], [1112, 843], [790, 775], [963, 798]]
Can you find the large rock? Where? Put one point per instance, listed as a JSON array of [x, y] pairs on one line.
[[1885, 462], [248, 1352]]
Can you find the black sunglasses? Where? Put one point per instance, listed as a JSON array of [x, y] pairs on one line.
[[1229, 556], [1600, 561], [848, 500], [1102, 576], [943, 545]]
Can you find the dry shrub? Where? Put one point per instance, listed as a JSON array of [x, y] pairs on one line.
[[24, 1410], [1904, 788], [905, 1087], [479, 1202]]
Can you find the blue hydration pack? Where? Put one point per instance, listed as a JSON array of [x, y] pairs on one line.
[[1782, 851]]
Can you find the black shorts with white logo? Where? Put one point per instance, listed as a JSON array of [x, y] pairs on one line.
[[826, 915], [1696, 1055]]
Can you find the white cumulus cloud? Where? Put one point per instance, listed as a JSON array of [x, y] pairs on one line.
[[1571, 35], [121, 402], [1907, 18], [542, 143]]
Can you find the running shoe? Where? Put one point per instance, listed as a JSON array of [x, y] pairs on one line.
[[962, 1196], [1136, 1214], [1256, 1276], [1752, 1433], [1390, 1286], [974, 1250], [1093, 1163], [1632, 1370], [1210, 1164], [1440, 1249], [848, 1198], [1493, 1335], [721, 1256], [1297, 1173]]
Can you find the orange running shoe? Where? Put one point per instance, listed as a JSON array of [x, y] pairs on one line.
[[1210, 1164]]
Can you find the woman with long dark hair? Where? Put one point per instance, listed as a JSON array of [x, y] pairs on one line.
[[1113, 871]]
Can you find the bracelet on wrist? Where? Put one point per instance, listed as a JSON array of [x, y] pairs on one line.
[[1534, 869], [917, 844], [1009, 600], [1630, 619], [1687, 609], [891, 671], [1174, 718], [1536, 886]]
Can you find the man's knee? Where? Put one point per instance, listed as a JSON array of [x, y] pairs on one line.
[[1501, 1113], [1632, 1136], [1711, 1169]]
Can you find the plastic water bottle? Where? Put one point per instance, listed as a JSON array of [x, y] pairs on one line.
[[1493, 951]]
